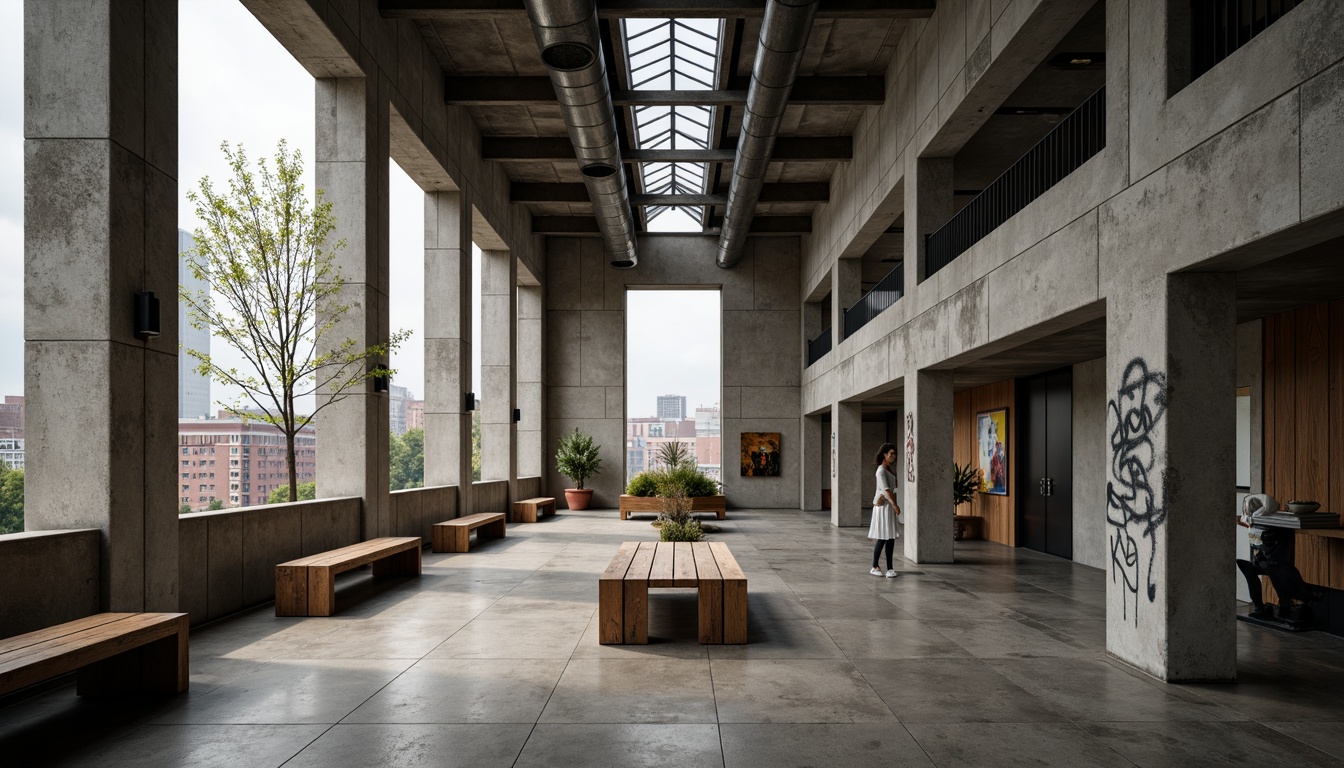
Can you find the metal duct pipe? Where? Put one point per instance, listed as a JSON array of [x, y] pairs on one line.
[[571, 48], [784, 32]]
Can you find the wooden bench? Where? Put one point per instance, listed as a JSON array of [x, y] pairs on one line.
[[452, 535], [530, 510], [307, 586], [623, 590], [111, 652]]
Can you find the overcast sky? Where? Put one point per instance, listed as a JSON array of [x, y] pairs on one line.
[[237, 84]]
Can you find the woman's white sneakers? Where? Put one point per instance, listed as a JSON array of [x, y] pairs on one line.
[[891, 574], [875, 571]]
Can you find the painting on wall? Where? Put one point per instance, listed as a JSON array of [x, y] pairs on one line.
[[992, 450], [760, 454]]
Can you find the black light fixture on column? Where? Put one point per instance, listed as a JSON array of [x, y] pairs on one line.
[[517, 415], [470, 401], [380, 383], [146, 315]]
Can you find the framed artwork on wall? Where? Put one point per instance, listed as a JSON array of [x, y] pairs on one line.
[[760, 454], [991, 438]]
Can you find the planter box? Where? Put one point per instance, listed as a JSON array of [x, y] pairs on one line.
[[654, 505]]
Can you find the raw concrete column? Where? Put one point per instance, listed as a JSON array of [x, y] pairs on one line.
[[928, 206], [847, 464], [100, 226], [499, 318], [529, 382], [351, 163], [846, 288], [1171, 378], [928, 467], [815, 462], [448, 343]]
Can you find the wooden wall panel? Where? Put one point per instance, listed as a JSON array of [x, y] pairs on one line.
[[999, 512], [1304, 425]]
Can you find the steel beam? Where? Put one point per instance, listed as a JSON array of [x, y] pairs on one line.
[[486, 91], [784, 192], [587, 226], [558, 148], [431, 10]]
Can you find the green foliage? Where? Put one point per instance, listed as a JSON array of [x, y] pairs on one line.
[[185, 509], [307, 492], [643, 484], [218, 504], [264, 257], [11, 499], [965, 482], [577, 457], [407, 460], [476, 446], [672, 530], [674, 455]]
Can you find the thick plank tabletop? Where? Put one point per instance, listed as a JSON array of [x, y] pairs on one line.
[[642, 563], [359, 554], [476, 519], [683, 565], [621, 562], [674, 564]]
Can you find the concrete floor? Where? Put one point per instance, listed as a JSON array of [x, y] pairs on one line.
[[491, 659]]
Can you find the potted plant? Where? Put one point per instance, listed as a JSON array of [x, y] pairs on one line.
[[577, 459], [965, 482], [649, 491]]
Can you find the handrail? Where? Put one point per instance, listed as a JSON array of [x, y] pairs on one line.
[[818, 347], [1079, 136], [1220, 27], [887, 292]]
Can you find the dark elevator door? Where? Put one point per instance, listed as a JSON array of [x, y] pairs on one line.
[[1045, 474]]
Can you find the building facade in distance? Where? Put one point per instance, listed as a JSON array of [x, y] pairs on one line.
[[238, 463], [671, 407], [193, 389]]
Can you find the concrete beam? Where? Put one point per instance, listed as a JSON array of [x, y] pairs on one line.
[[551, 192], [491, 90], [453, 10], [552, 148], [761, 225]]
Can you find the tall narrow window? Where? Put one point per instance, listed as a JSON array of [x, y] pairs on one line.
[[673, 379], [406, 311]]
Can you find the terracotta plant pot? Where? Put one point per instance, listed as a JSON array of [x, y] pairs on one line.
[[578, 498]]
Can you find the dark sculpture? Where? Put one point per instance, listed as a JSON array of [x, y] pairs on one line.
[[1272, 555]]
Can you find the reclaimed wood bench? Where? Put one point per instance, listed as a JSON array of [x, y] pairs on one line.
[[453, 535], [109, 652], [307, 586], [530, 510], [623, 590]]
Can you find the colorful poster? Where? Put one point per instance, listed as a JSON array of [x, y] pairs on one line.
[[992, 451], [760, 454]]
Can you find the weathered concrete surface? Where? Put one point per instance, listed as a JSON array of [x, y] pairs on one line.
[[530, 389], [100, 119], [1090, 459], [63, 563], [352, 142], [928, 479], [847, 469], [499, 319]]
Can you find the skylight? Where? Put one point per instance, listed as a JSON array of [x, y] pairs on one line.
[[673, 55]]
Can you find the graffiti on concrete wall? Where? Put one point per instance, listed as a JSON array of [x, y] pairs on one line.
[[909, 447], [1135, 494]]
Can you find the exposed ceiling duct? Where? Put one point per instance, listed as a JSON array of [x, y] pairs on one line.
[[571, 48], [784, 31]]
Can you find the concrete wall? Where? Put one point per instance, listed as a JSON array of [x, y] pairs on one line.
[[228, 557], [416, 510], [64, 563], [585, 351], [873, 436], [490, 496], [529, 487], [1090, 456]]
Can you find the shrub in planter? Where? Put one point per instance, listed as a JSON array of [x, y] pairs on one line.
[[643, 484], [687, 531]]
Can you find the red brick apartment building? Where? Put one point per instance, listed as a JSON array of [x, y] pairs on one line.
[[237, 463]]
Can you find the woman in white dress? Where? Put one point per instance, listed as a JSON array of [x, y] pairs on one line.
[[883, 527]]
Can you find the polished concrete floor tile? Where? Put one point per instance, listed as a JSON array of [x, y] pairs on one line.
[[666, 641], [794, 691], [1327, 737], [208, 746], [633, 691], [1014, 745], [887, 639], [952, 691], [450, 691], [376, 639], [1099, 691], [853, 606], [1206, 745], [288, 691], [516, 638], [415, 746], [649, 745], [788, 639], [805, 745], [1006, 638]]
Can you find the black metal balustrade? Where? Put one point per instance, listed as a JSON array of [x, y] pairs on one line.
[[887, 291], [1079, 136], [818, 347], [1219, 27]]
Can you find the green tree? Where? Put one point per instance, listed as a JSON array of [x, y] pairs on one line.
[[215, 505], [264, 255], [475, 446], [185, 509], [281, 494], [407, 460], [11, 499]]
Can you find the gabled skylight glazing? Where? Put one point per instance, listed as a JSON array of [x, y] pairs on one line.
[[673, 55]]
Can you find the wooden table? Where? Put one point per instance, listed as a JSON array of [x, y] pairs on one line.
[[623, 590]]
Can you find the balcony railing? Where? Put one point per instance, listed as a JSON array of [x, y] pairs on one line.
[[887, 291], [1219, 27], [818, 347], [1079, 136]]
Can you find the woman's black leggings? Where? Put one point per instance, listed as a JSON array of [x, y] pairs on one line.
[[890, 544]]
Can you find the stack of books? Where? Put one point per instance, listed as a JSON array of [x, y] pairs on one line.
[[1289, 520]]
